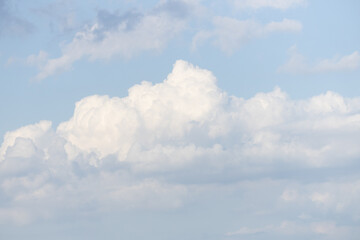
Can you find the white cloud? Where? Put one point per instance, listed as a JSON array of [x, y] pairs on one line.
[[278, 4], [33, 133], [291, 228], [120, 35], [156, 29], [230, 34], [330, 229], [37, 60], [189, 113], [321, 198], [173, 142], [16, 216], [247, 231], [339, 196], [289, 195], [157, 113], [297, 63]]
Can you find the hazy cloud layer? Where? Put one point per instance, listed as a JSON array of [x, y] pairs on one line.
[[277, 4], [298, 64], [10, 24], [183, 140], [60, 16], [230, 34]]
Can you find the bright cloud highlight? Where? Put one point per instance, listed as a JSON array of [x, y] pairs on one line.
[[169, 144]]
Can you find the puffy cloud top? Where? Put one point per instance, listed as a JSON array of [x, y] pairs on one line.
[[161, 112], [167, 143]]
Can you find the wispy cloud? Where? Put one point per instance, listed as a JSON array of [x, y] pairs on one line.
[[10, 24], [291, 228], [60, 15], [277, 4], [122, 34], [298, 64], [230, 34]]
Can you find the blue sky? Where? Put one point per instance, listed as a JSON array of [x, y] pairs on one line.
[[179, 119]]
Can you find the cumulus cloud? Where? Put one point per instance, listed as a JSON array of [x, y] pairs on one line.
[[230, 34], [298, 64], [182, 140], [30, 132], [278, 4], [153, 111]]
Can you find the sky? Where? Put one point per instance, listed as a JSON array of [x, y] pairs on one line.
[[180, 119]]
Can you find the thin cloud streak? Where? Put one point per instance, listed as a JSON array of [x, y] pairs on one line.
[[277, 4], [298, 64], [230, 34]]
